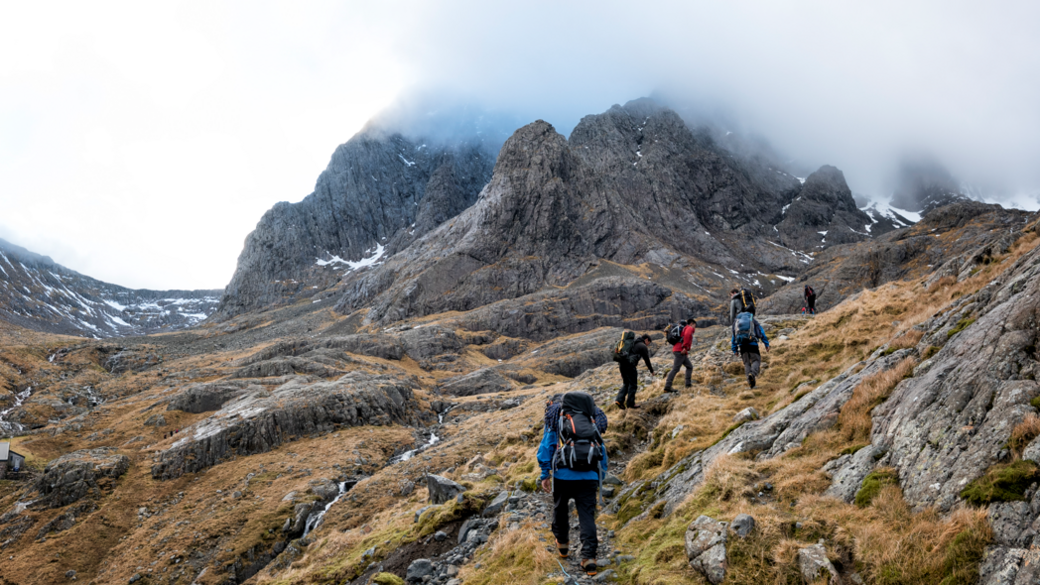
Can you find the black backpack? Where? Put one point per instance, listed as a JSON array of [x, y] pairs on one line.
[[675, 333], [580, 444], [623, 349], [747, 301]]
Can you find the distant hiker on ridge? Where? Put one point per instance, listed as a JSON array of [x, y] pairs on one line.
[[741, 301], [680, 352], [810, 300], [746, 333], [574, 462], [627, 353]]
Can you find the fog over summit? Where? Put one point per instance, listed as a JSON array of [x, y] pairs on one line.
[[165, 118]]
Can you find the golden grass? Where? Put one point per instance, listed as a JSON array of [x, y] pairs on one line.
[[512, 556], [1023, 433], [854, 420]]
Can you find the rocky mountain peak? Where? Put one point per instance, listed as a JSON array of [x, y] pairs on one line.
[[379, 192], [823, 214]]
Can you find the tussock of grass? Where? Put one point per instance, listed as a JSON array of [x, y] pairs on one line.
[[1002, 483], [387, 579], [1023, 433], [515, 556], [873, 483]]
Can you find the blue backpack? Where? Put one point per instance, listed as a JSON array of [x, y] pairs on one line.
[[744, 327]]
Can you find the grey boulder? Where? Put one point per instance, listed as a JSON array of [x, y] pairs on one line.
[[442, 489], [706, 548]]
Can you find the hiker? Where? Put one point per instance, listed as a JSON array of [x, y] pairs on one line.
[[680, 355], [741, 301], [574, 463], [810, 300], [627, 356], [746, 333]]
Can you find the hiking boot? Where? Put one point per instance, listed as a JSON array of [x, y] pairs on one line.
[[689, 385], [619, 404], [563, 549], [633, 406], [669, 389], [751, 380], [589, 566]]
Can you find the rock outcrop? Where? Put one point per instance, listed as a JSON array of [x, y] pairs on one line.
[[79, 474], [706, 548], [262, 419]]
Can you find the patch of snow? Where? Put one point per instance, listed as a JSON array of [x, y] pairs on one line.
[[784, 210], [784, 278], [118, 321], [377, 253], [114, 305], [801, 180], [823, 233]]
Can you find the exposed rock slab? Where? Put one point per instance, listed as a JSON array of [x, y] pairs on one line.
[[263, 419], [482, 381], [79, 474]]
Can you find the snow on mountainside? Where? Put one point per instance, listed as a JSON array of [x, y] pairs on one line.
[[37, 293], [886, 218]]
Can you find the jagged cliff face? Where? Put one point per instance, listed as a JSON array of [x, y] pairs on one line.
[[823, 213], [632, 186], [37, 293], [378, 194]]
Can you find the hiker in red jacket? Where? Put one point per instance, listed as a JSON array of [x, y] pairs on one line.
[[681, 357]]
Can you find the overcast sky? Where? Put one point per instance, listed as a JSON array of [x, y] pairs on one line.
[[140, 142]]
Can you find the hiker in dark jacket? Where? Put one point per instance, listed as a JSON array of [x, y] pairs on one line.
[[566, 484], [681, 356], [626, 398], [747, 347], [810, 300], [740, 300]]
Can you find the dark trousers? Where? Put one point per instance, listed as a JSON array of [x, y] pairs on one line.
[[752, 360], [680, 360], [629, 381], [810, 304], [583, 492]]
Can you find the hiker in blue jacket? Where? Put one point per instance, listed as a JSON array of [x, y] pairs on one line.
[[567, 484], [746, 333]]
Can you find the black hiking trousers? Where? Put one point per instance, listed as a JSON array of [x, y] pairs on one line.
[[583, 492], [629, 382], [680, 360]]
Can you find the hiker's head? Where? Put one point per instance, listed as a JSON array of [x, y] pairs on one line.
[[646, 339], [734, 292], [691, 321]]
